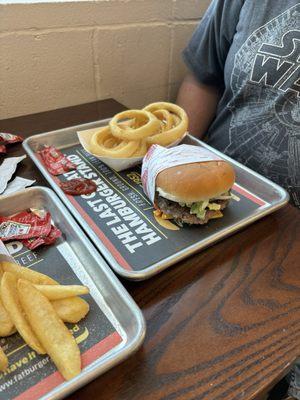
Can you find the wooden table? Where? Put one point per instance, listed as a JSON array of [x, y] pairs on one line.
[[221, 325]]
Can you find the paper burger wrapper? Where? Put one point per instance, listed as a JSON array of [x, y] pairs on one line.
[[159, 158], [7, 169], [118, 164]]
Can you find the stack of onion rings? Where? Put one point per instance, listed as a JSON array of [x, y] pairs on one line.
[[178, 128], [130, 133]]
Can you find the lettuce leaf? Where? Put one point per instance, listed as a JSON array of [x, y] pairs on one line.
[[199, 209]]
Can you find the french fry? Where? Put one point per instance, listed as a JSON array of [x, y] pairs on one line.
[[56, 292], [11, 302], [51, 331], [72, 309], [6, 324], [28, 274], [3, 360], [11, 332]]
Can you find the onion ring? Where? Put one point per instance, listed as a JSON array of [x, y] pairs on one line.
[[173, 134], [101, 143], [176, 119], [151, 127], [166, 117], [110, 142], [142, 150]]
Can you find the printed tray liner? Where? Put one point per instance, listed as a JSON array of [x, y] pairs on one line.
[[122, 217], [29, 375]]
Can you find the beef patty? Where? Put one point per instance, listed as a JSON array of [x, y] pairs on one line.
[[182, 214]]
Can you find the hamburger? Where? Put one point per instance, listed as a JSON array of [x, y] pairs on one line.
[[194, 193]]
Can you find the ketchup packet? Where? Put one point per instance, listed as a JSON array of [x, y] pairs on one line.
[[3, 149], [78, 186], [33, 243], [55, 162], [24, 225], [53, 235], [10, 138]]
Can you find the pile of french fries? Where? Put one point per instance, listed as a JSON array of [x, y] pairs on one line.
[[36, 306]]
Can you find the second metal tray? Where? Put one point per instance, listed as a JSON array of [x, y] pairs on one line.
[[113, 329], [134, 243]]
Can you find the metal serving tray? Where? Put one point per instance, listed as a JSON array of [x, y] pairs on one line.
[[113, 329], [137, 246]]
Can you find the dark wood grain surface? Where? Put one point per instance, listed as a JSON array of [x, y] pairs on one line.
[[221, 325]]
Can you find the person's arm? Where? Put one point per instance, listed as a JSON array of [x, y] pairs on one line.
[[205, 56], [200, 102]]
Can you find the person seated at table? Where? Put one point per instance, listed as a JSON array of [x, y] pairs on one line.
[[242, 92]]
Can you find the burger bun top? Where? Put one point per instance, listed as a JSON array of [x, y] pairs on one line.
[[189, 183]]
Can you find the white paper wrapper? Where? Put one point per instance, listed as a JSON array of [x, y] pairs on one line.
[[16, 185], [118, 164], [159, 158], [4, 254], [7, 169]]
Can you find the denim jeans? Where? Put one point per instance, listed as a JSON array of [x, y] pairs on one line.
[[294, 376]]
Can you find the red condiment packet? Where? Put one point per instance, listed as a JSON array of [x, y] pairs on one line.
[[33, 243], [55, 162], [53, 235], [10, 138], [78, 186], [3, 149], [24, 225]]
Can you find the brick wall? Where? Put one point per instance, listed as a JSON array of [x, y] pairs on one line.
[[54, 55]]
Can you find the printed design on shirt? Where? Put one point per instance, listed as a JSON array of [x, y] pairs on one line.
[[278, 66], [265, 125]]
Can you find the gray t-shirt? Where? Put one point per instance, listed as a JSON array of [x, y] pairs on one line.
[[250, 49]]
